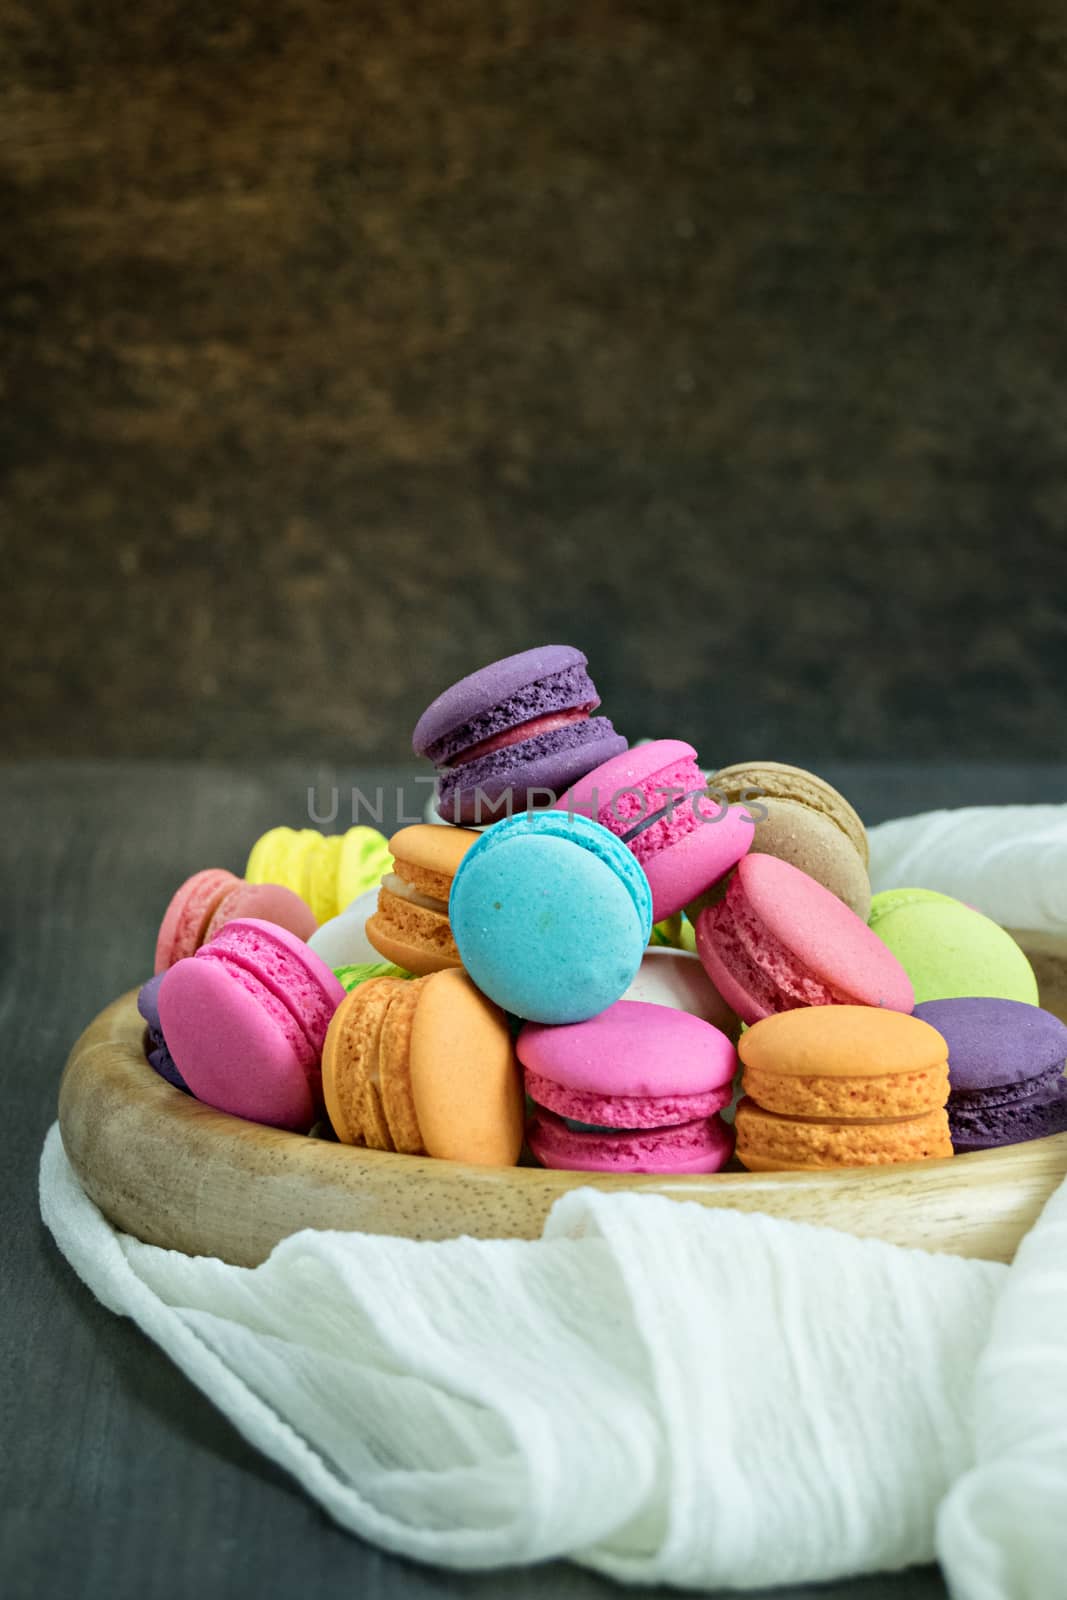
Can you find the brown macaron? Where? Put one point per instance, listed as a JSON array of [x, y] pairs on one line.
[[411, 926], [807, 823], [424, 1067]]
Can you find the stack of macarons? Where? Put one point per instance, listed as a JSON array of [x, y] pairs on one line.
[[609, 929], [842, 1085]]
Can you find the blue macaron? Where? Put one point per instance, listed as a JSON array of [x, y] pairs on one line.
[[551, 915]]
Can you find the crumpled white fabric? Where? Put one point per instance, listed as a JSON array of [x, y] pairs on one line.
[[660, 1392], [1003, 1529], [1008, 861]]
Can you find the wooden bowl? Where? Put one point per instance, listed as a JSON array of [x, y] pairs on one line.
[[176, 1173]]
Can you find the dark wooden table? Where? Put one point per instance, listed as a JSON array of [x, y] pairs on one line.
[[117, 1478]]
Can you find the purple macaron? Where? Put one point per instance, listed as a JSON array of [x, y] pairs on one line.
[[159, 1056], [519, 731], [1006, 1070]]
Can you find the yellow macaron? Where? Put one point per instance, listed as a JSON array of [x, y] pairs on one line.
[[328, 872]]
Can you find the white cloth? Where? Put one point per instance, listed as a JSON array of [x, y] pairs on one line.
[[660, 1392], [1008, 861]]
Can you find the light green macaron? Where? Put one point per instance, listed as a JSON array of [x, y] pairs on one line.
[[948, 950], [352, 976]]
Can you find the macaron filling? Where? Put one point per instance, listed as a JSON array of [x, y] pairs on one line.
[[393, 884], [624, 1111], [570, 689], [758, 961], [526, 730]]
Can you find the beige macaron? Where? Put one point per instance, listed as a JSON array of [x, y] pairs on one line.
[[806, 822]]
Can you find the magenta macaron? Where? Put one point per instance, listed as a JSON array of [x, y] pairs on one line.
[[655, 799], [778, 940], [636, 1089], [245, 1020]]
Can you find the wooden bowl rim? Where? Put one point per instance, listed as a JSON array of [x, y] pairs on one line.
[[113, 1107]]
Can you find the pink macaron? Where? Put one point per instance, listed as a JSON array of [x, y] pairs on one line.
[[778, 940], [245, 1020], [185, 921], [268, 902], [655, 799], [636, 1089]]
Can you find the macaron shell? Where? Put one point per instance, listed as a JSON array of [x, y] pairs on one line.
[[323, 859], [351, 1065], [777, 781], [285, 965], [464, 1076], [810, 841], [779, 940], [626, 1111], [299, 854], [515, 689], [398, 1100], [546, 928], [694, 1147], [425, 847], [361, 972], [896, 1094], [364, 859], [270, 902], [343, 942], [632, 1050], [755, 974], [950, 951], [230, 1050], [157, 1052], [186, 918], [681, 854], [1038, 1112], [993, 1042], [602, 794], [686, 868], [525, 775], [767, 1142], [842, 1042], [269, 857]]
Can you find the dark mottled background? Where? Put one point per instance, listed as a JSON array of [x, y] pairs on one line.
[[347, 345]]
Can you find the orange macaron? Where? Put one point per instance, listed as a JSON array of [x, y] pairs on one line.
[[424, 1067], [834, 1086], [411, 926]]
